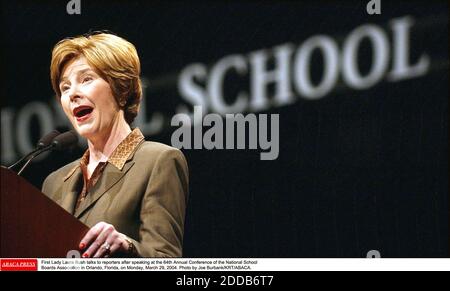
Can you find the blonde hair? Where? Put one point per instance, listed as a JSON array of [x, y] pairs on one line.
[[112, 57]]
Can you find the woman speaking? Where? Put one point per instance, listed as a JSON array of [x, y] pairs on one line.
[[132, 193]]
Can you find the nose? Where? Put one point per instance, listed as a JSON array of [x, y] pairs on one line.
[[74, 93]]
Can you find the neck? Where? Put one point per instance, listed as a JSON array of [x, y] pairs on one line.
[[101, 148]]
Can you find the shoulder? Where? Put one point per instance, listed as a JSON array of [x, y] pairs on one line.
[[64, 170], [154, 148], [57, 177], [153, 152], [161, 159]]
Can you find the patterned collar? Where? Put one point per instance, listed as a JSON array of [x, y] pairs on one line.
[[120, 155]]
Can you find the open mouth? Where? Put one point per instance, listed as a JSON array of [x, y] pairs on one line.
[[82, 112]]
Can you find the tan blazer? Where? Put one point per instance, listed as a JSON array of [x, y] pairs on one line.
[[146, 200]]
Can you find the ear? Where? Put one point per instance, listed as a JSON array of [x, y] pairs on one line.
[[122, 103]]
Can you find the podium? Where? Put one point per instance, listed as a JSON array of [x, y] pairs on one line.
[[33, 225]]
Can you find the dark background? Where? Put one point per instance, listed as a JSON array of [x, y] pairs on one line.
[[357, 170]]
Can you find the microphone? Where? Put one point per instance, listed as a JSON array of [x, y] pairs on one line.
[[47, 139], [61, 142], [43, 142], [65, 140]]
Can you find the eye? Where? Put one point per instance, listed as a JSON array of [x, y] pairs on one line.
[[64, 88], [87, 79]]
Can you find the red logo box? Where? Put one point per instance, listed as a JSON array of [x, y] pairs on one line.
[[18, 265]]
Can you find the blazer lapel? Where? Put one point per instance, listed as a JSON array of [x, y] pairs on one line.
[[70, 190], [110, 176]]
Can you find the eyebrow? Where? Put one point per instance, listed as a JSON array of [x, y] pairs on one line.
[[80, 72]]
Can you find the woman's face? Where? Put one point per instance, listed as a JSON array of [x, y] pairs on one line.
[[87, 100]]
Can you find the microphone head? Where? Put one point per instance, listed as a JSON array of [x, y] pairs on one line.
[[65, 140], [47, 139]]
